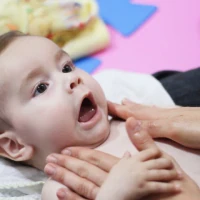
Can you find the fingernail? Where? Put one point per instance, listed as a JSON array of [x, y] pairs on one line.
[[51, 159], [61, 194], [66, 152], [49, 170]]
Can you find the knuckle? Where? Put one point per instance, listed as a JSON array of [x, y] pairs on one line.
[[143, 141], [93, 192], [59, 176], [86, 189], [76, 152], [167, 162], [141, 184], [141, 178], [152, 124], [169, 158], [82, 188], [174, 173], [62, 160], [164, 174], [158, 186], [155, 152], [94, 160], [82, 172]]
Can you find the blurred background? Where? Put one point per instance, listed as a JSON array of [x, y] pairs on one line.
[[139, 35], [169, 39]]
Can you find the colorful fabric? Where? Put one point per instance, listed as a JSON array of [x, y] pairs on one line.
[[60, 20]]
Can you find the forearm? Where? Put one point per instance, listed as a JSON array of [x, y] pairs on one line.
[[186, 130], [181, 125]]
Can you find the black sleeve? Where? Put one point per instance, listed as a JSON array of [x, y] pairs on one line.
[[183, 87]]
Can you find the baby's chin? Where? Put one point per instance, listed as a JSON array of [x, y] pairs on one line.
[[100, 136]]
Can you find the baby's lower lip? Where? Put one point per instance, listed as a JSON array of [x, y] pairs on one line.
[[91, 122]]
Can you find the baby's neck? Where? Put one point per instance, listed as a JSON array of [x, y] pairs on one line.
[[118, 141], [116, 144]]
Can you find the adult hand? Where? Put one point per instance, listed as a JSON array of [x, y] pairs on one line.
[[84, 170], [141, 175], [180, 124]]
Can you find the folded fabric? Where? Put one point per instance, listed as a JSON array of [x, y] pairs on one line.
[[19, 181], [72, 24]]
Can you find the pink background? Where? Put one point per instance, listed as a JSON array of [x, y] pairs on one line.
[[170, 39]]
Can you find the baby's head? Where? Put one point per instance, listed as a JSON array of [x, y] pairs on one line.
[[46, 103]]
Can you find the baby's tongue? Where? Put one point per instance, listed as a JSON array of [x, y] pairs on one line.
[[86, 113]]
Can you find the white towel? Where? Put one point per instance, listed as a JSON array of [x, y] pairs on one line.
[[19, 181]]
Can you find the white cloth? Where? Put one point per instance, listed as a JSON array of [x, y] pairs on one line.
[[19, 182], [141, 88]]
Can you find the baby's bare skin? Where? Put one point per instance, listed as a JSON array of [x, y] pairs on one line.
[[119, 142]]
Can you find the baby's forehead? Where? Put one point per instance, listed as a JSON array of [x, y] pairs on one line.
[[25, 45], [23, 54], [26, 51]]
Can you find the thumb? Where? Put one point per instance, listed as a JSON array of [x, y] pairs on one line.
[[138, 136]]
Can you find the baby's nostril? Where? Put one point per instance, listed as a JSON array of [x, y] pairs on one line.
[[72, 85], [79, 81]]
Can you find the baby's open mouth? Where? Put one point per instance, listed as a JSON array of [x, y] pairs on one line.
[[88, 109]]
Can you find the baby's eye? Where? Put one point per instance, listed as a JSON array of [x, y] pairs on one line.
[[67, 68], [40, 89]]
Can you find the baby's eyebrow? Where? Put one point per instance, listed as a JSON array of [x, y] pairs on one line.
[[36, 71], [31, 75], [59, 55]]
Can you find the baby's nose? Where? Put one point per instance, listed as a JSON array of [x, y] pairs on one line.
[[74, 82]]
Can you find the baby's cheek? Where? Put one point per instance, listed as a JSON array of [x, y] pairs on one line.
[[59, 134]]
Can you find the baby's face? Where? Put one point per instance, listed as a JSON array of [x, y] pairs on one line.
[[50, 103]]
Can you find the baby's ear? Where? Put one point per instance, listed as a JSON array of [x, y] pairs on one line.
[[13, 148]]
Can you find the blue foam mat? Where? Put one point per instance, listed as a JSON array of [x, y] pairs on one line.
[[87, 64], [124, 16]]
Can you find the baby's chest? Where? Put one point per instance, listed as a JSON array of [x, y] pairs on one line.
[[118, 143]]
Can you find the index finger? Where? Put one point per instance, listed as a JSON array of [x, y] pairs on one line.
[[121, 111], [100, 159]]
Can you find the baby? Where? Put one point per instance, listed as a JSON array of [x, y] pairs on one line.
[[47, 104]]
